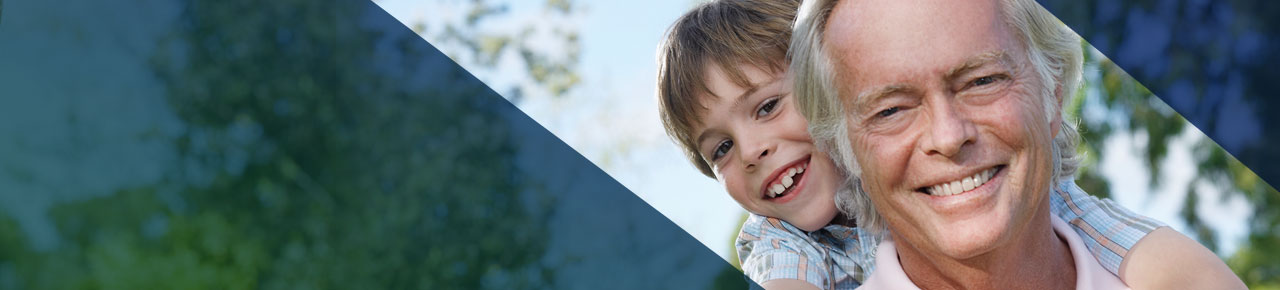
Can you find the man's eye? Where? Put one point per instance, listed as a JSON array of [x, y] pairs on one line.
[[888, 112], [982, 81], [721, 149], [767, 108]]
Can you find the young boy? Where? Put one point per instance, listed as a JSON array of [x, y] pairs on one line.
[[725, 98]]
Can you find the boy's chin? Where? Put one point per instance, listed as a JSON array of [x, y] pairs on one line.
[[813, 220]]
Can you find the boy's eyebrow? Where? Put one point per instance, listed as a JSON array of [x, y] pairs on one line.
[[743, 97], [740, 99], [701, 137]]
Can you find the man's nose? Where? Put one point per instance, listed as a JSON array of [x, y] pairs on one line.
[[949, 130]]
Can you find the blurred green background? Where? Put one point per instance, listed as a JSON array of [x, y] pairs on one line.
[[277, 149], [200, 144]]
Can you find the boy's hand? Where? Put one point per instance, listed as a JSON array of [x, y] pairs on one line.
[[1166, 259], [788, 284]]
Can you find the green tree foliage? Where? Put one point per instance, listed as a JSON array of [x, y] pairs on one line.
[[547, 48], [1195, 49], [305, 162], [1137, 111]]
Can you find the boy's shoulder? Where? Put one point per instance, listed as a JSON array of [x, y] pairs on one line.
[[770, 248], [758, 227], [762, 228]]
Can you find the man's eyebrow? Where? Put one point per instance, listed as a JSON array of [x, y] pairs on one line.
[[870, 96], [998, 56]]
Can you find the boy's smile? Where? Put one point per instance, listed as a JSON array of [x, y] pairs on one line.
[[785, 180], [760, 149]]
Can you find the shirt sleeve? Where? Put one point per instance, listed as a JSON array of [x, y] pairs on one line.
[[1108, 230], [767, 250]]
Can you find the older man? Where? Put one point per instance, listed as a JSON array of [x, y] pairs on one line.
[[954, 109]]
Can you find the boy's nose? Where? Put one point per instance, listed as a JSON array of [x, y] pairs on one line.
[[756, 154]]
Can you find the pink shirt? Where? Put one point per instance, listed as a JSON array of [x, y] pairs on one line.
[[1089, 273]]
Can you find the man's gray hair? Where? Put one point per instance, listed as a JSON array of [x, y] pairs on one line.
[[1054, 50]]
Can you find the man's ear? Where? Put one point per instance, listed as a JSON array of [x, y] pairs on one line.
[[1055, 121]]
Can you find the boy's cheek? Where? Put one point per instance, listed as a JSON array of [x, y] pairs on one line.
[[738, 191]]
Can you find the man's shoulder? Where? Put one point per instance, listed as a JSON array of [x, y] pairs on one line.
[[889, 273], [1090, 274]]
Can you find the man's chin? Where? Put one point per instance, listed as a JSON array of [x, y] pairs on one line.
[[967, 240]]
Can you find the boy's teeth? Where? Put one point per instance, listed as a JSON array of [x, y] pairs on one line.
[[962, 185], [788, 179]]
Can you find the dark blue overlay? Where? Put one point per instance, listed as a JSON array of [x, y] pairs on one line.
[[1212, 61], [294, 144]]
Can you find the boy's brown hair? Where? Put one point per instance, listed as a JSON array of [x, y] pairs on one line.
[[726, 33]]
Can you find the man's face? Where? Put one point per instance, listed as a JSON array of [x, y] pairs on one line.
[[945, 120], [758, 145]]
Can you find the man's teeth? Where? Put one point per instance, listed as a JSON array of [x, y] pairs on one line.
[[962, 185], [788, 179]]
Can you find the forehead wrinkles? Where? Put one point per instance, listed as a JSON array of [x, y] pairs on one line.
[[858, 29]]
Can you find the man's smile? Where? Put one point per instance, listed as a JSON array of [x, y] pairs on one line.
[[961, 185]]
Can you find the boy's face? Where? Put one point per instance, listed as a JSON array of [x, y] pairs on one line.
[[759, 147]]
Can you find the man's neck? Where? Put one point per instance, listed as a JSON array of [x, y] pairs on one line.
[[1036, 259]]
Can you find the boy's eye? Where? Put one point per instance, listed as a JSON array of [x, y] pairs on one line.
[[767, 108], [721, 149], [888, 112]]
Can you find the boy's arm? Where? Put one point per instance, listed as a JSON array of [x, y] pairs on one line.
[[1108, 230], [788, 284], [1144, 253], [1166, 259]]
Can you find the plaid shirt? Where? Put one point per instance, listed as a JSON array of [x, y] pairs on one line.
[[840, 257], [1108, 230], [834, 257]]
